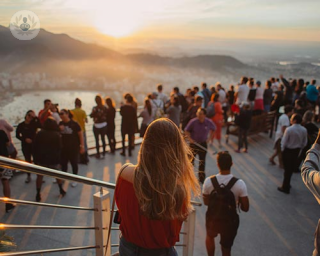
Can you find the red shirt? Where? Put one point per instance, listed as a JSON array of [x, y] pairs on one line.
[[44, 118], [138, 229]]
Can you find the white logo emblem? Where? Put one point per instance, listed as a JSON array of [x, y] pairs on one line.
[[25, 25]]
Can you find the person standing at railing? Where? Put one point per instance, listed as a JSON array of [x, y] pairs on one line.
[[72, 140], [47, 152], [161, 96], [26, 133], [45, 112], [154, 196], [99, 115], [217, 119], [5, 174], [111, 127], [147, 117], [128, 123], [80, 116], [173, 111], [7, 128], [134, 103]]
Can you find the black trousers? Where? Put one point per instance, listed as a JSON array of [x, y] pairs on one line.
[[102, 133], [290, 164], [242, 138], [70, 155], [27, 152], [131, 138], [202, 159], [111, 138]]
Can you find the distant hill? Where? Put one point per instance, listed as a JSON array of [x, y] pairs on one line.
[[36, 54], [202, 61], [59, 46]]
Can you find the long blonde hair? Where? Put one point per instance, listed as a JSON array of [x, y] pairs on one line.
[[164, 177]]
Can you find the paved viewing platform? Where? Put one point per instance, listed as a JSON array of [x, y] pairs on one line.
[[277, 224]]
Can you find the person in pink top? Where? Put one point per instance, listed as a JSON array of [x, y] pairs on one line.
[[258, 103], [217, 118], [7, 128]]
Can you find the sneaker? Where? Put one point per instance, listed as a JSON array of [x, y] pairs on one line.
[[9, 207], [272, 161], [28, 179], [62, 192], [245, 150], [123, 154], [237, 151], [74, 184], [38, 197]]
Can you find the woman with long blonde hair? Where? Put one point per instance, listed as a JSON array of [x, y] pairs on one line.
[[154, 196]]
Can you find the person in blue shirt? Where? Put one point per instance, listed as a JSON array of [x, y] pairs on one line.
[[312, 93]]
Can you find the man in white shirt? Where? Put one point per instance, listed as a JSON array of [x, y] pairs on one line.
[[223, 100], [274, 85], [226, 229], [242, 91], [283, 123], [294, 139], [161, 96]]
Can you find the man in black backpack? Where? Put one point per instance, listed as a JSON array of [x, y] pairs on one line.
[[222, 193]]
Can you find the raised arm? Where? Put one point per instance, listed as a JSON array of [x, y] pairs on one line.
[[284, 81]]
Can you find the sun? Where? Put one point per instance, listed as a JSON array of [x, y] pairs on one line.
[[119, 21]]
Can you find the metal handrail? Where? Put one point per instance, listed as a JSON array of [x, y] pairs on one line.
[[16, 201], [14, 164], [10, 163], [50, 250], [13, 226]]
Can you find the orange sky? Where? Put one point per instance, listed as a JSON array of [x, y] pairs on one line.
[[132, 22]]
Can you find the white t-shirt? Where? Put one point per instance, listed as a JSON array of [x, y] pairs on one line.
[[164, 98], [259, 93], [243, 92], [283, 121], [239, 189], [222, 97], [275, 86]]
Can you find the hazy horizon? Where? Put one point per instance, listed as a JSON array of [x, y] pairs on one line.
[[182, 27]]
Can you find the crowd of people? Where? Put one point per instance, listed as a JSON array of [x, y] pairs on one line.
[[54, 138]]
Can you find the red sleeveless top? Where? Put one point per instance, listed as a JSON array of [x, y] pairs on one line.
[[138, 229]]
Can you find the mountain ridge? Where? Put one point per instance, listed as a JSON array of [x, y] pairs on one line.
[[48, 46]]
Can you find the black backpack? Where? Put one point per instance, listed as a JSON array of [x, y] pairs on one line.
[[222, 203]]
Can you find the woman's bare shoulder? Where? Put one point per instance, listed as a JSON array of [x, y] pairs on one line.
[[128, 173]]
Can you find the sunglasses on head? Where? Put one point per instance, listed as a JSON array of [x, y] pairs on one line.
[[61, 113]]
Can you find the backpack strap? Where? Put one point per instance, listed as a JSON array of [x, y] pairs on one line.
[[215, 183], [232, 182]]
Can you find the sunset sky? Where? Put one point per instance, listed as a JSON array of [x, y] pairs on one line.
[[190, 20]]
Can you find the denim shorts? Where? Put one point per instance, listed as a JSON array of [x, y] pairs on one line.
[[129, 249]]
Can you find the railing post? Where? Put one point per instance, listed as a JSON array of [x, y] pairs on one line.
[[101, 221], [188, 238]]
